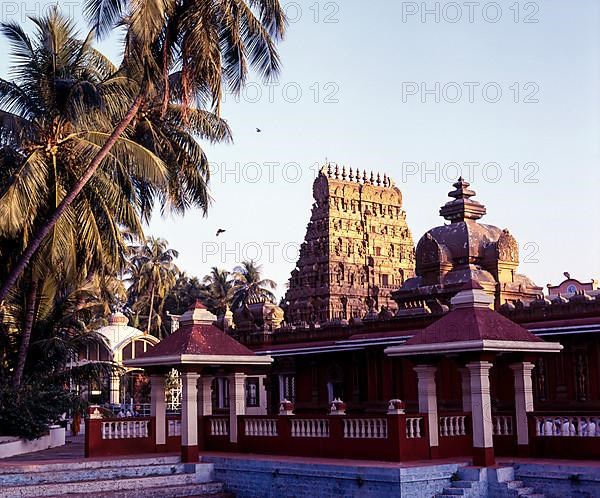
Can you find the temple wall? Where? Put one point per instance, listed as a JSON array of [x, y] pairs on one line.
[[557, 481], [264, 478]]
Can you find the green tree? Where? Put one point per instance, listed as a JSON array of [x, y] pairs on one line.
[[154, 274], [183, 294], [219, 291], [249, 285], [63, 323], [51, 118], [211, 43]]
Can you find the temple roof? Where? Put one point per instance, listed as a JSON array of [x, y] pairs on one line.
[[198, 342], [472, 326]]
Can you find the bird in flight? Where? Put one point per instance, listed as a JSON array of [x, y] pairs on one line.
[[258, 130], [220, 231]]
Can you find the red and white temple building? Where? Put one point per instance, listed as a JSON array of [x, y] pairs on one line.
[[471, 361]]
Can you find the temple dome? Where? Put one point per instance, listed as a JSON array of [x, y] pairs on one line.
[[261, 315], [464, 250], [118, 332]]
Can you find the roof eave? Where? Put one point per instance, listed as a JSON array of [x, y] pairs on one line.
[[197, 359], [481, 345]]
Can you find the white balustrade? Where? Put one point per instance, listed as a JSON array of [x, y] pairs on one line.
[[567, 426], [310, 427], [219, 427], [262, 427], [174, 427], [452, 425], [413, 427], [124, 429], [365, 428], [502, 425]]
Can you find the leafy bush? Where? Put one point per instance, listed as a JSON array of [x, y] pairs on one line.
[[28, 412]]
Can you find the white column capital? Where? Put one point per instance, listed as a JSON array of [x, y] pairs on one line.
[[522, 366], [190, 376], [479, 366], [425, 370]]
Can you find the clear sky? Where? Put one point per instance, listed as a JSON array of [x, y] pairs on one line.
[[507, 92]]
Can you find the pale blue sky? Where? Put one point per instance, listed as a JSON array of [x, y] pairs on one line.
[[363, 70]]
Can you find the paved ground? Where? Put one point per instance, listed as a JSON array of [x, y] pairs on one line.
[[74, 450]]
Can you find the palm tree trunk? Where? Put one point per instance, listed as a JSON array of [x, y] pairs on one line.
[[30, 303], [151, 309], [45, 229]]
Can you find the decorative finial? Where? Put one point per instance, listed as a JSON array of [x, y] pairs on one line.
[[344, 172], [329, 170], [462, 207], [378, 179], [351, 175], [364, 176], [385, 180], [372, 179], [337, 171], [462, 189]]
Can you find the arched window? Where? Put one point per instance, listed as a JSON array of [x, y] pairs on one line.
[[135, 347]]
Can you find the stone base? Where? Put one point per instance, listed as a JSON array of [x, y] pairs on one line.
[[189, 454], [483, 457]]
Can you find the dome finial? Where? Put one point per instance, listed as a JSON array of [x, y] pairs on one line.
[[462, 189], [462, 207]]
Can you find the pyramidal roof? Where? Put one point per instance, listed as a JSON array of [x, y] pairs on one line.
[[198, 341], [472, 325]]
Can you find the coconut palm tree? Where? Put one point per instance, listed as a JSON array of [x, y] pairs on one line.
[[218, 294], [212, 44], [51, 118], [249, 285], [184, 293], [155, 272]]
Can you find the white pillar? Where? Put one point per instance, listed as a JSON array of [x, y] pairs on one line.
[[158, 410], [481, 412], [237, 402], [523, 399], [465, 384], [115, 389], [189, 416], [205, 396], [262, 394], [428, 401]]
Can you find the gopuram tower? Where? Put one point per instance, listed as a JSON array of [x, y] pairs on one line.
[[357, 249]]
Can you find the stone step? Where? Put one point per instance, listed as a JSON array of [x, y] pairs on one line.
[[201, 490], [10, 468], [462, 484], [100, 486], [454, 491], [87, 474], [535, 495], [513, 484], [524, 491], [504, 474]]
